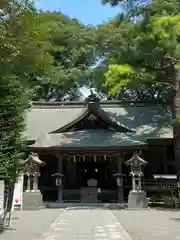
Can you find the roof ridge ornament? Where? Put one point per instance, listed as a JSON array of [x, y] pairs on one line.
[[92, 98]]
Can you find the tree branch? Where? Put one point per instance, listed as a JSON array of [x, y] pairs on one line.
[[167, 84]]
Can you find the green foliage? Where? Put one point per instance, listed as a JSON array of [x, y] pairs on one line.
[[112, 2], [13, 102], [149, 46], [71, 48], [16, 32], [119, 76]]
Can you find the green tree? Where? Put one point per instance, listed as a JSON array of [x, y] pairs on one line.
[[21, 54], [152, 58], [72, 47], [12, 96], [112, 2], [121, 41]]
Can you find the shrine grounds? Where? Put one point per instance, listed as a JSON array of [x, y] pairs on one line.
[[151, 224]]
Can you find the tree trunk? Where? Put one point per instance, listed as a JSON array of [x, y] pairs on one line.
[[176, 126], [9, 202]]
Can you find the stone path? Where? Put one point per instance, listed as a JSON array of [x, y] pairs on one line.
[[30, 225], [85, 224], [150, 224]]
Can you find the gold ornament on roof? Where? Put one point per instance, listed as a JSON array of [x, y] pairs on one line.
[[92, 117]]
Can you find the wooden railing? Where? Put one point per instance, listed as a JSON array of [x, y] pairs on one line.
[[107, 195], [73, 195], [152, 184], [110, 195]]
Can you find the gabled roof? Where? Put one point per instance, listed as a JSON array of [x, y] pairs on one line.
[[94, 108], [147, 119]]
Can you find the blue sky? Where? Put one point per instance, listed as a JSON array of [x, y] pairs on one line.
[[87, 11]]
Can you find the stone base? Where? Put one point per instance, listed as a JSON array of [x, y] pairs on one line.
[[59, 201], [32, 200], [137, 200], [89, 195], [1, 221]]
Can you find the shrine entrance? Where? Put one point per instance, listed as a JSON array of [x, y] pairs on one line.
[[78, 171], [96, 168], [92, 176], [83, 168]]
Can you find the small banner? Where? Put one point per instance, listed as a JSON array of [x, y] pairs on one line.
[[18, 193]]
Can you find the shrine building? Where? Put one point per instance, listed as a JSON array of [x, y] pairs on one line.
[[89, 141]]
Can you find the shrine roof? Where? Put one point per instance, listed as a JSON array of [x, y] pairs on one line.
[[148, 120], [88, 139]]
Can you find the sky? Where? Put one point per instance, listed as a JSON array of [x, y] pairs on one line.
[[86, 11]]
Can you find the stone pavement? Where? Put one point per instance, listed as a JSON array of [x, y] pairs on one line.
[[30, 225], [150, 224], [86, 224], [96, 224]]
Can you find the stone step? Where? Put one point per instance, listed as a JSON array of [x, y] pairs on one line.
[[98, 205]]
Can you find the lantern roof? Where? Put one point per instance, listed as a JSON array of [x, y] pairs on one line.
[[119, 175], [33, 158], [135, 160], [57, 174]]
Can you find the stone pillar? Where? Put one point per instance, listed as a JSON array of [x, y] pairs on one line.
[[60, 194], [133, 183], [35, 183], [120, 188], [60, 170], [139, 183], [28, 188]]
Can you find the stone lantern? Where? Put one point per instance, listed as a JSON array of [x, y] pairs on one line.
[[59, 184], [119, 181], [32, 197], [137, 196]]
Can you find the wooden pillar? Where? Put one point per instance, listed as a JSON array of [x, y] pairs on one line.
[[60, 170], [120, 189], [71, 171]]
